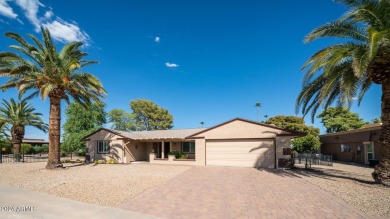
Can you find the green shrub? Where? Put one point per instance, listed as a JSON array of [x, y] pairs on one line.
[[112, 161], [178, 154], [101, 162], [79, 161], [26, 149], [40, 149]]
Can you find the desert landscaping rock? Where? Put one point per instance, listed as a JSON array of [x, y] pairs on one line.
[[106, 185], [353, 183]]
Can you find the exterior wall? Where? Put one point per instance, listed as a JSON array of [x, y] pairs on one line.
[[135, 151], [116, 146], [240, 129], [176, 146], [363, 136], [282, 142], [331, 145], [200, 152]]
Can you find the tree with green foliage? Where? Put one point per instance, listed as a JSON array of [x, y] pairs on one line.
[[376, 120], [149, 116], [18, 115], [309, 143], [347, 69], [40, 68], [336, 119], [295, 123], [306, 144], [79, 123], [122, 120]]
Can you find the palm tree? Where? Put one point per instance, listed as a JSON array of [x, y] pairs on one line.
[[41, 69], [17, 115], [346, 70], [202, 123], [258, 105]]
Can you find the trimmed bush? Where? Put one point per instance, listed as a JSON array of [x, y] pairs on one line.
[[26, 148], [178, 154], [112, 161]]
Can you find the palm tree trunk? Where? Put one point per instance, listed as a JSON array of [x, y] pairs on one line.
[[54, 133], [17, 148], [17, 132], [382, 170]]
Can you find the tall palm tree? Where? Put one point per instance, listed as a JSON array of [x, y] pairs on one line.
[[17, 115], [344, 71], [258, 105], [202, 123], [39, 68]]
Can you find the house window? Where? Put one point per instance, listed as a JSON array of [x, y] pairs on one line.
[[103, 147], [188, 147], [344, 148]]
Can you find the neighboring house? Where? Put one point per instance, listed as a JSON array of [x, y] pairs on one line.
[[237, 142], [358, 145], [33, 141]]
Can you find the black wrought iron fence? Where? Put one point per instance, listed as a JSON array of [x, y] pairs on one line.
[[312, 159], [25, 158]]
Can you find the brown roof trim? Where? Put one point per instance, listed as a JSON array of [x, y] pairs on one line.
[[239, 139], [371, 128], [105, 129], [189, 137], [294, 133]]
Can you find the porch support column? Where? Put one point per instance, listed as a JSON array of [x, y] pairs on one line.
[[162, 150]]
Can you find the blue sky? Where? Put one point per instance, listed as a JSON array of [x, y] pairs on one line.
[[207, 61]]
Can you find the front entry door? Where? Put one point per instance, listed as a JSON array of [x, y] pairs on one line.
[[167, 149], [369, 146]]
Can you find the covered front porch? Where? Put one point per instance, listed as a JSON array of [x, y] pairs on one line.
[[159, 150]]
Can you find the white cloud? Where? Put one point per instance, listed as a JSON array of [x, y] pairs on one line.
[[157, 39], [48, 14], [6, 10], [60, 30], [171, 65], [30, 8], [66, 32], [354, 98]]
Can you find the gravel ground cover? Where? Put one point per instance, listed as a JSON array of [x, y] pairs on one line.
[[105, 184], [353, 183]]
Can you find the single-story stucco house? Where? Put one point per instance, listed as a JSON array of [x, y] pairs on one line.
[[237, 142], [358, 145]]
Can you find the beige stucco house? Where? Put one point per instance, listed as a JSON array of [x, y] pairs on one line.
[[237, 142]]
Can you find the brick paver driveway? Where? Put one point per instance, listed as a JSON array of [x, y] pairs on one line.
[[223, 192]]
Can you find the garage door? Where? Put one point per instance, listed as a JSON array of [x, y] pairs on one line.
[[240, 153]]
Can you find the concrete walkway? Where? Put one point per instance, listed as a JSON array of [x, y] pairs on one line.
[[223, 192], [22, 203]]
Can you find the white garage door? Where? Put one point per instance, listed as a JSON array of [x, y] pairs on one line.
[[240, 153]]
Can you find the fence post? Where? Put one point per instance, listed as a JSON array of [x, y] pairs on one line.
[[23, 158]]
